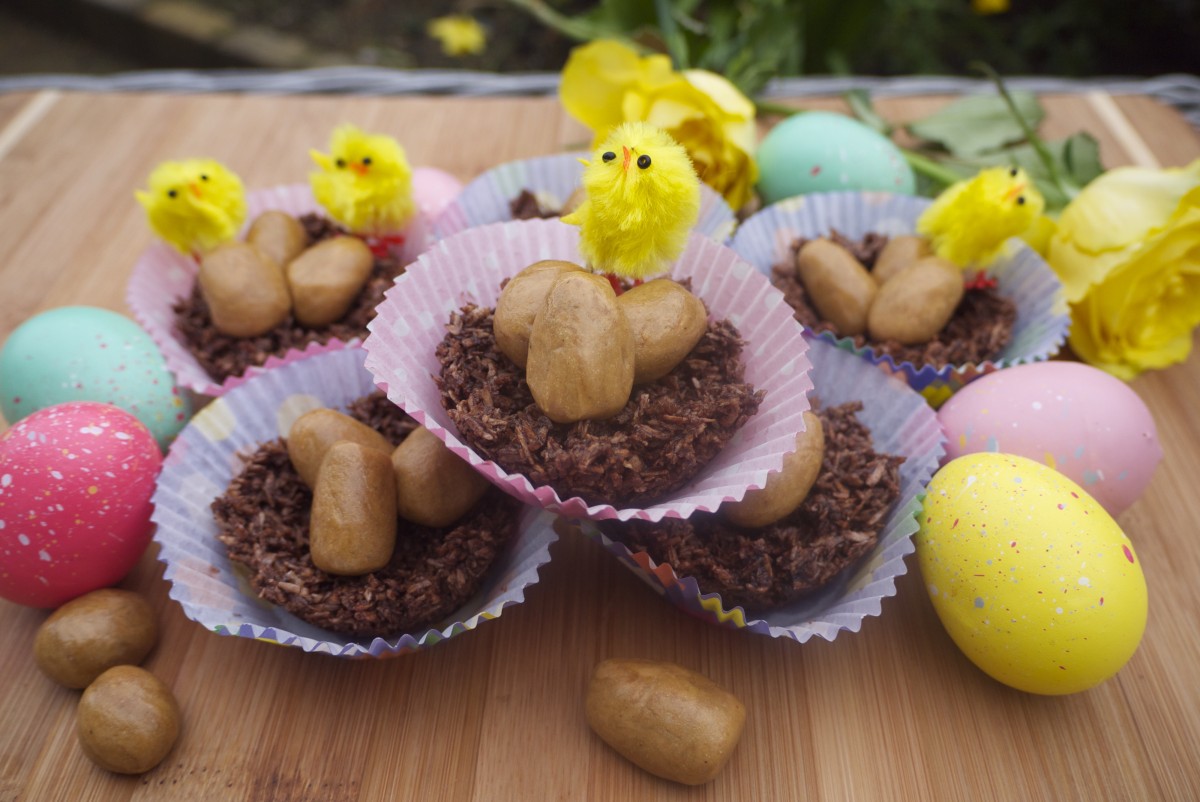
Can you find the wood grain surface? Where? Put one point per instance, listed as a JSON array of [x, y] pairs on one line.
[[892, 712]]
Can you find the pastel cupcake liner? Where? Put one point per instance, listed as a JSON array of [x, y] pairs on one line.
[[552, 179], [901, 423], [1043, 319], [468, 268], [203, 461], [162, 276]]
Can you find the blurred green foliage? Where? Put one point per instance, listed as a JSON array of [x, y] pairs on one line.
[[751, 41]]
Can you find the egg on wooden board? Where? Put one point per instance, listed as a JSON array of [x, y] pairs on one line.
[[1078, 420], [84, 353], [75, 487], [1032, 579], [819, 151]]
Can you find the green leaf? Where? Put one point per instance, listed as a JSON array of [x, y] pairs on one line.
[[861, 107], [978, 124], [1081, 155]]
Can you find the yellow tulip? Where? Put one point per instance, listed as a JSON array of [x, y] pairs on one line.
[[1128, 252], [606, 83]]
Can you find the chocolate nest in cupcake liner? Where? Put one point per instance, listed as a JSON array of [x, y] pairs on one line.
[[667, 432], [835, 526], [526, 206], [223, 355], [263, 516], [979, 330]]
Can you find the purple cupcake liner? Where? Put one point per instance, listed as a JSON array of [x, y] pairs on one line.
[[901, 423], [1043, 319], [204, 459], [552, 179]]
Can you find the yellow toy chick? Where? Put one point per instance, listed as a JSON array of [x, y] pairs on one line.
[[643, 197], [365, 183], [969, 222], [195, 205]]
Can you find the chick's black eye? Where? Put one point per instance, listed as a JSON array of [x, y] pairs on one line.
[[366, 161], [171, 193], [1020, 200], [203, 177], [1013, 172], [609, 156], [341, 162], [643, 161]]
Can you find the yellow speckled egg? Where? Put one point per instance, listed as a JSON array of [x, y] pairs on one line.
[[1033, 580]]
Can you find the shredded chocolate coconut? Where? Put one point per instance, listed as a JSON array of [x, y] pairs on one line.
[[526, 207], [263, 521], [222, 355], [979, 330], [762, 568], [667, 432]]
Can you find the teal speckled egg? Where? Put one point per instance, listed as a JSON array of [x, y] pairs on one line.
[[819, 151], [82, 353]]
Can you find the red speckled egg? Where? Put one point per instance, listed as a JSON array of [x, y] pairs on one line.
[[75, 487]]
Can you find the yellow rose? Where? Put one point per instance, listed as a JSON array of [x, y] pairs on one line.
[[459, 34], [1128, 252], [606, 83]]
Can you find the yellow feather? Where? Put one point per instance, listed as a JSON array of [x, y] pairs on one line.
[[365, 183], [969, 222], [194, 205], [636, 219]]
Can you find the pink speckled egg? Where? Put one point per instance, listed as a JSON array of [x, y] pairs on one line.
[[75, 487], [1074, 418]]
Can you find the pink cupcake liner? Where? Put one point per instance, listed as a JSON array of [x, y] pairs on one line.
[[552, 178], [204, 459], [901, 423], [1042, 316], [162, 276], [468, 268]]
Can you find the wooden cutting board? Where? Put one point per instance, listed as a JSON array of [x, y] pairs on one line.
[[892, 712]]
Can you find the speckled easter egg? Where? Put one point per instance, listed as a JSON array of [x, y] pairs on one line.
[[1032, 579], [819, 151], [75, 487], [1072, 417], [83, 353]]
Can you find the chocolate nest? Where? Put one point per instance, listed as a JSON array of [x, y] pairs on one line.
[[222, 355], [667, 432], [527, 207], [263, 521], [979, 330], [759, 569]]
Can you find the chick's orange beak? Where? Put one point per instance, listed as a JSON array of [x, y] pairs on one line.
[[194, 189], [625, 164], [359, 169], [1016, 190]]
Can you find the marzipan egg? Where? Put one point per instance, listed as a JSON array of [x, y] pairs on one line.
[[1077, 419], [819, 151], [84, 353], [1032, 579]]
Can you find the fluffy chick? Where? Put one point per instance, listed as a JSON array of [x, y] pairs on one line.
[[969, 222], [365, 183], [194, 205], [643, 197]]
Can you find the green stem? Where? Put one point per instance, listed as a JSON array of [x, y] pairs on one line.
[[1044, 156], [770, 107], [929, 168], [573, 28]]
